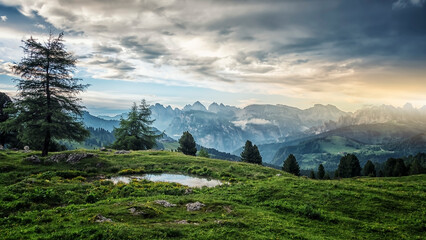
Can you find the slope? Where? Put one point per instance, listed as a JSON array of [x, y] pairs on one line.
[[64, 201]]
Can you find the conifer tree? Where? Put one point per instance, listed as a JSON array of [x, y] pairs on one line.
[[251, 153], [312, 174], [135, 132], [47, 106], [395, 167], [187, 144], [203, 153], [349, 166], [5, 102], [321, 171], [327, 176], [369, 169], [291, 166], [416, 167]]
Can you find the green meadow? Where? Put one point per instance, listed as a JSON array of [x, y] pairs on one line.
[[51, 200]]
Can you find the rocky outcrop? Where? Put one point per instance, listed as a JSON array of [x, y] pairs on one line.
[[164, 203], [122, 152], [72, 158], [33, 159], [100, 219], [194, 206]]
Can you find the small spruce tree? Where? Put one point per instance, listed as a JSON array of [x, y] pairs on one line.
[[321, 172], [349, 166], [369, 169], [312, 174], [187, 144], [203, 153], [327, 176], [251, 153], [416, 167], [291, 166]]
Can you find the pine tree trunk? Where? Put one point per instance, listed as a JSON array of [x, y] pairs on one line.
[[45, 150]]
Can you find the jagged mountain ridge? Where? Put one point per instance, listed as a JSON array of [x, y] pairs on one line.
[[226, 128]]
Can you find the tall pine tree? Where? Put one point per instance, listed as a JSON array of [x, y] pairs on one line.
[[47, 106]]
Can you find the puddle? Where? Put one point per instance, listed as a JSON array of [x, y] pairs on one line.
[[189, 181]]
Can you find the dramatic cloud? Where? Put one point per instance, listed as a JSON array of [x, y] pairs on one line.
[[318, 49]]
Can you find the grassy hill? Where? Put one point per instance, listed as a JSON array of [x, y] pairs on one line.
[[61, 201]]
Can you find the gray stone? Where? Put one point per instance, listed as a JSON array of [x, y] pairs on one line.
[[194, 206], [188, 191], [77, 157], [122, 152], [182, 222], [278, 175], [103, 149], [99, 218], [26, 149], [58, 158], [1, 147], [33, 159], [164, 203], [134, 211]]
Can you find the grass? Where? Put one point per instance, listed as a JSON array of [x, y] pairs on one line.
[[59, 200]]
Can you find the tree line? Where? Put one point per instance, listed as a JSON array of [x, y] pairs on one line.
[[349, 166]]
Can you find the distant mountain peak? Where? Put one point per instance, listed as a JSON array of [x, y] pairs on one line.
[[408, 106], [197, 106]]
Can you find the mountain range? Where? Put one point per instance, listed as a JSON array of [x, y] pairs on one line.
[[320, 134]]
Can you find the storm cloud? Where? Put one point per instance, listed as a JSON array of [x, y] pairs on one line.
[[264, 46]]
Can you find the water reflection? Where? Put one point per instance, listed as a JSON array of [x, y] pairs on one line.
[[190, 181]]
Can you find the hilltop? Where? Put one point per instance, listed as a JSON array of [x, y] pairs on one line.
[[50, 200]]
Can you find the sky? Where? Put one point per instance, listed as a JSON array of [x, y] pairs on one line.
[[351, 53]]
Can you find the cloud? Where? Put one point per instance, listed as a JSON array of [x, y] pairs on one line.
[[41, 26], [3, 18], [256, 121], [399, 4], [290, 48]]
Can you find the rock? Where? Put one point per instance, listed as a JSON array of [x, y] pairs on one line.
[[194, 206], [99, 218], [26, 149], [185, 222], [77, 157], [58, 158], [133, 211], [1, 147], [278, 175], [33, 159], [122, 152], [227, 209], [103, 149], [182, 222], [188, 191], [164, 203], [71, 158]]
